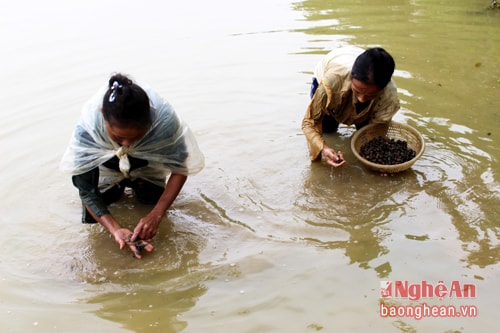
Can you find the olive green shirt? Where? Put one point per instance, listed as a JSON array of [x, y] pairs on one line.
[[334, 97]]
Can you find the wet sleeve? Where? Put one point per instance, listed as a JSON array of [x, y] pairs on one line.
[[311, 123], [87, 185]]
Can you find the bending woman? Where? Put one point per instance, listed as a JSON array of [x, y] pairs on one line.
[[128, 136], [350, 86]]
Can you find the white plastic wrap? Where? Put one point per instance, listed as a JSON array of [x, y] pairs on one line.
[[169, 145]]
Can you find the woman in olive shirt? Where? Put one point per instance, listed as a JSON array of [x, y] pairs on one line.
[[350, 86]]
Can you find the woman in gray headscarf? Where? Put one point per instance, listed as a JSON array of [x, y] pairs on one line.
[[128, 136]]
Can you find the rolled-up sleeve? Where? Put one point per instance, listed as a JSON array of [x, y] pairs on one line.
[[311, 123]]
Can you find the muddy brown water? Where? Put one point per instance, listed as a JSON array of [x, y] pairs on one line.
[[262, 240]]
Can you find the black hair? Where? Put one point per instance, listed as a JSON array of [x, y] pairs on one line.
[[374, 66], [125, 104]]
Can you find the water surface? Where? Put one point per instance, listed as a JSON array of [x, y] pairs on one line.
[[262, 240]]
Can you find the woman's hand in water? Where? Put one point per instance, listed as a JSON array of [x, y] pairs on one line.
[[147, 227], [123, 237], [333, 158]]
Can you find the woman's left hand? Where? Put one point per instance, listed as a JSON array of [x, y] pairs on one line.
[[149, 224]]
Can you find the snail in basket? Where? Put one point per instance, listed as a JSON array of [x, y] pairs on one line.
[[382, 150]]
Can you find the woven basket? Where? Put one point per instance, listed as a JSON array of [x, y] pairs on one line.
[[392, 130]]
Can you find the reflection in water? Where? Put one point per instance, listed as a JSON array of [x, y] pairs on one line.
[[150, 294], [148, 310], [359, 203], [140, 295], [453, 173]]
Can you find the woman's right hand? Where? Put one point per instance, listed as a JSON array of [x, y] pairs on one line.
[[123, 238], [333, 158]]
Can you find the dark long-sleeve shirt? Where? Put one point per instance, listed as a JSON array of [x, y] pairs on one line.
[[88, 185]]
